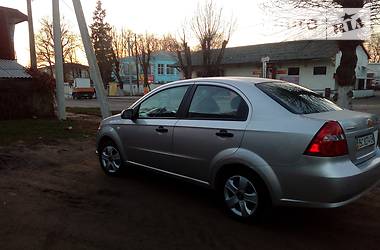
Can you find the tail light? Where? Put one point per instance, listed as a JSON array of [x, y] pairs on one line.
[[330, 141]]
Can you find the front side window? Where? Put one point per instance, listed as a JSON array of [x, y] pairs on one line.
[[164, 104], [297, 99], [213, 102]]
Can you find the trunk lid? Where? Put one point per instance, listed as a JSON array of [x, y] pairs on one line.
[[361, 130]]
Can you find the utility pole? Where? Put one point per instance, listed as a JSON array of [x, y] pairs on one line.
[[264, 61], [130, 54], [91, 58], [32, 46], [58, 61], [137, 66]]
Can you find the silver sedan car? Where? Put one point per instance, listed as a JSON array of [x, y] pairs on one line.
[[257, 142]]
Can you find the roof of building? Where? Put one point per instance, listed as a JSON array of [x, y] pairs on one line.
[[14, 16], [158, 55], [283, 51], [11, 69], [69, 66], [164, 55]]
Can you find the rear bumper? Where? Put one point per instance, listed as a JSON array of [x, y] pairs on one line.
[[328, 182]]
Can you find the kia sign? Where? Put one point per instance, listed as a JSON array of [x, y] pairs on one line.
[[330, 24]]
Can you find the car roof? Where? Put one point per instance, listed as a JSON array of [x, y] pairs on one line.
[[235, 81]]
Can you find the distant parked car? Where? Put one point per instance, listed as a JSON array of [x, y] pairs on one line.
[[82, 88], [257, 142]]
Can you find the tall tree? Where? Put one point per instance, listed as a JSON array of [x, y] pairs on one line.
[[102, 42], [45, 44], [345, 76], [213, 33], [146, 45]]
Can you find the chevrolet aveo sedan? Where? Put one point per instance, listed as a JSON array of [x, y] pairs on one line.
[[257, 142]]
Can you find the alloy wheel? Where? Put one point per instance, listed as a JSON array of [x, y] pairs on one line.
[[110, 159], [240, 196]]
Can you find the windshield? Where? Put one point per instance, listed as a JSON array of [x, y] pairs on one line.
[[297, 99]]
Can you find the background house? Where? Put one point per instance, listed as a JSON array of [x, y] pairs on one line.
[[309, 63], [71, 71], [162, 71]]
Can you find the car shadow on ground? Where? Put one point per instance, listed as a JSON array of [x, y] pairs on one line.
[[278, 216]]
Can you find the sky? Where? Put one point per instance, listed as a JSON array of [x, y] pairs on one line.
[[254, 24], [159, 17]]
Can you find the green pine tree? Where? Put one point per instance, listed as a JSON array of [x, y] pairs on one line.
[[102, 42]]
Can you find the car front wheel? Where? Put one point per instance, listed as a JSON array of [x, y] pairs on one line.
[[110, 159]]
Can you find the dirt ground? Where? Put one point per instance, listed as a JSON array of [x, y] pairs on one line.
[[55, 196]]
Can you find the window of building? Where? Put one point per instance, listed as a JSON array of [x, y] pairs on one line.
[[160, 69], [319, 70], [169, 70], [293, 71]]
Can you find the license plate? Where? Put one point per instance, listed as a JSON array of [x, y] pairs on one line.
[[365, 141]]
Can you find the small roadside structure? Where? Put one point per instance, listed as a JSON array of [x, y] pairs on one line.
[[23, 93]]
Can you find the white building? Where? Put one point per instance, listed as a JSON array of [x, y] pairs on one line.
[[309, 63], [373, 73]]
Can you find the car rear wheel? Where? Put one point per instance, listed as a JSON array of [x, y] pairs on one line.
[[244, 196], [110, 159]]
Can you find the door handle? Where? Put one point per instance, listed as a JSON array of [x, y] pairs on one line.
[[161, 129], [224, 133]]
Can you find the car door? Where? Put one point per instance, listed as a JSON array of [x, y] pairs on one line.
[[148, 139], [214, 125]]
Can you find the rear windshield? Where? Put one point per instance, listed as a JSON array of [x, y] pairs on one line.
[[297, 99]]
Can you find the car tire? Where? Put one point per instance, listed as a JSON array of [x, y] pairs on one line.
[[244, 196], [110, 158]]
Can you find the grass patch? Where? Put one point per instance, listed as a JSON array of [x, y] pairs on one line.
[[44, 130], [88, 111]]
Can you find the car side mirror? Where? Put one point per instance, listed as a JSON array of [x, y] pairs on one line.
[[128, 114]]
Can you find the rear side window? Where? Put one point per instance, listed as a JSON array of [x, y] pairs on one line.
[[217, 103], [297, 99]]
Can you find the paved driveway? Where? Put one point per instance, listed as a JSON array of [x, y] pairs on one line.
[[116, 103], [370, 105]]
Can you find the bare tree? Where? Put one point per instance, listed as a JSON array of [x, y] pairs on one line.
[[213, 33], [168, 43], [345, 76], [145, 45], [121, 48], [122, 42], [180, 47], [373, 47], [184, 56], [45, 44]]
